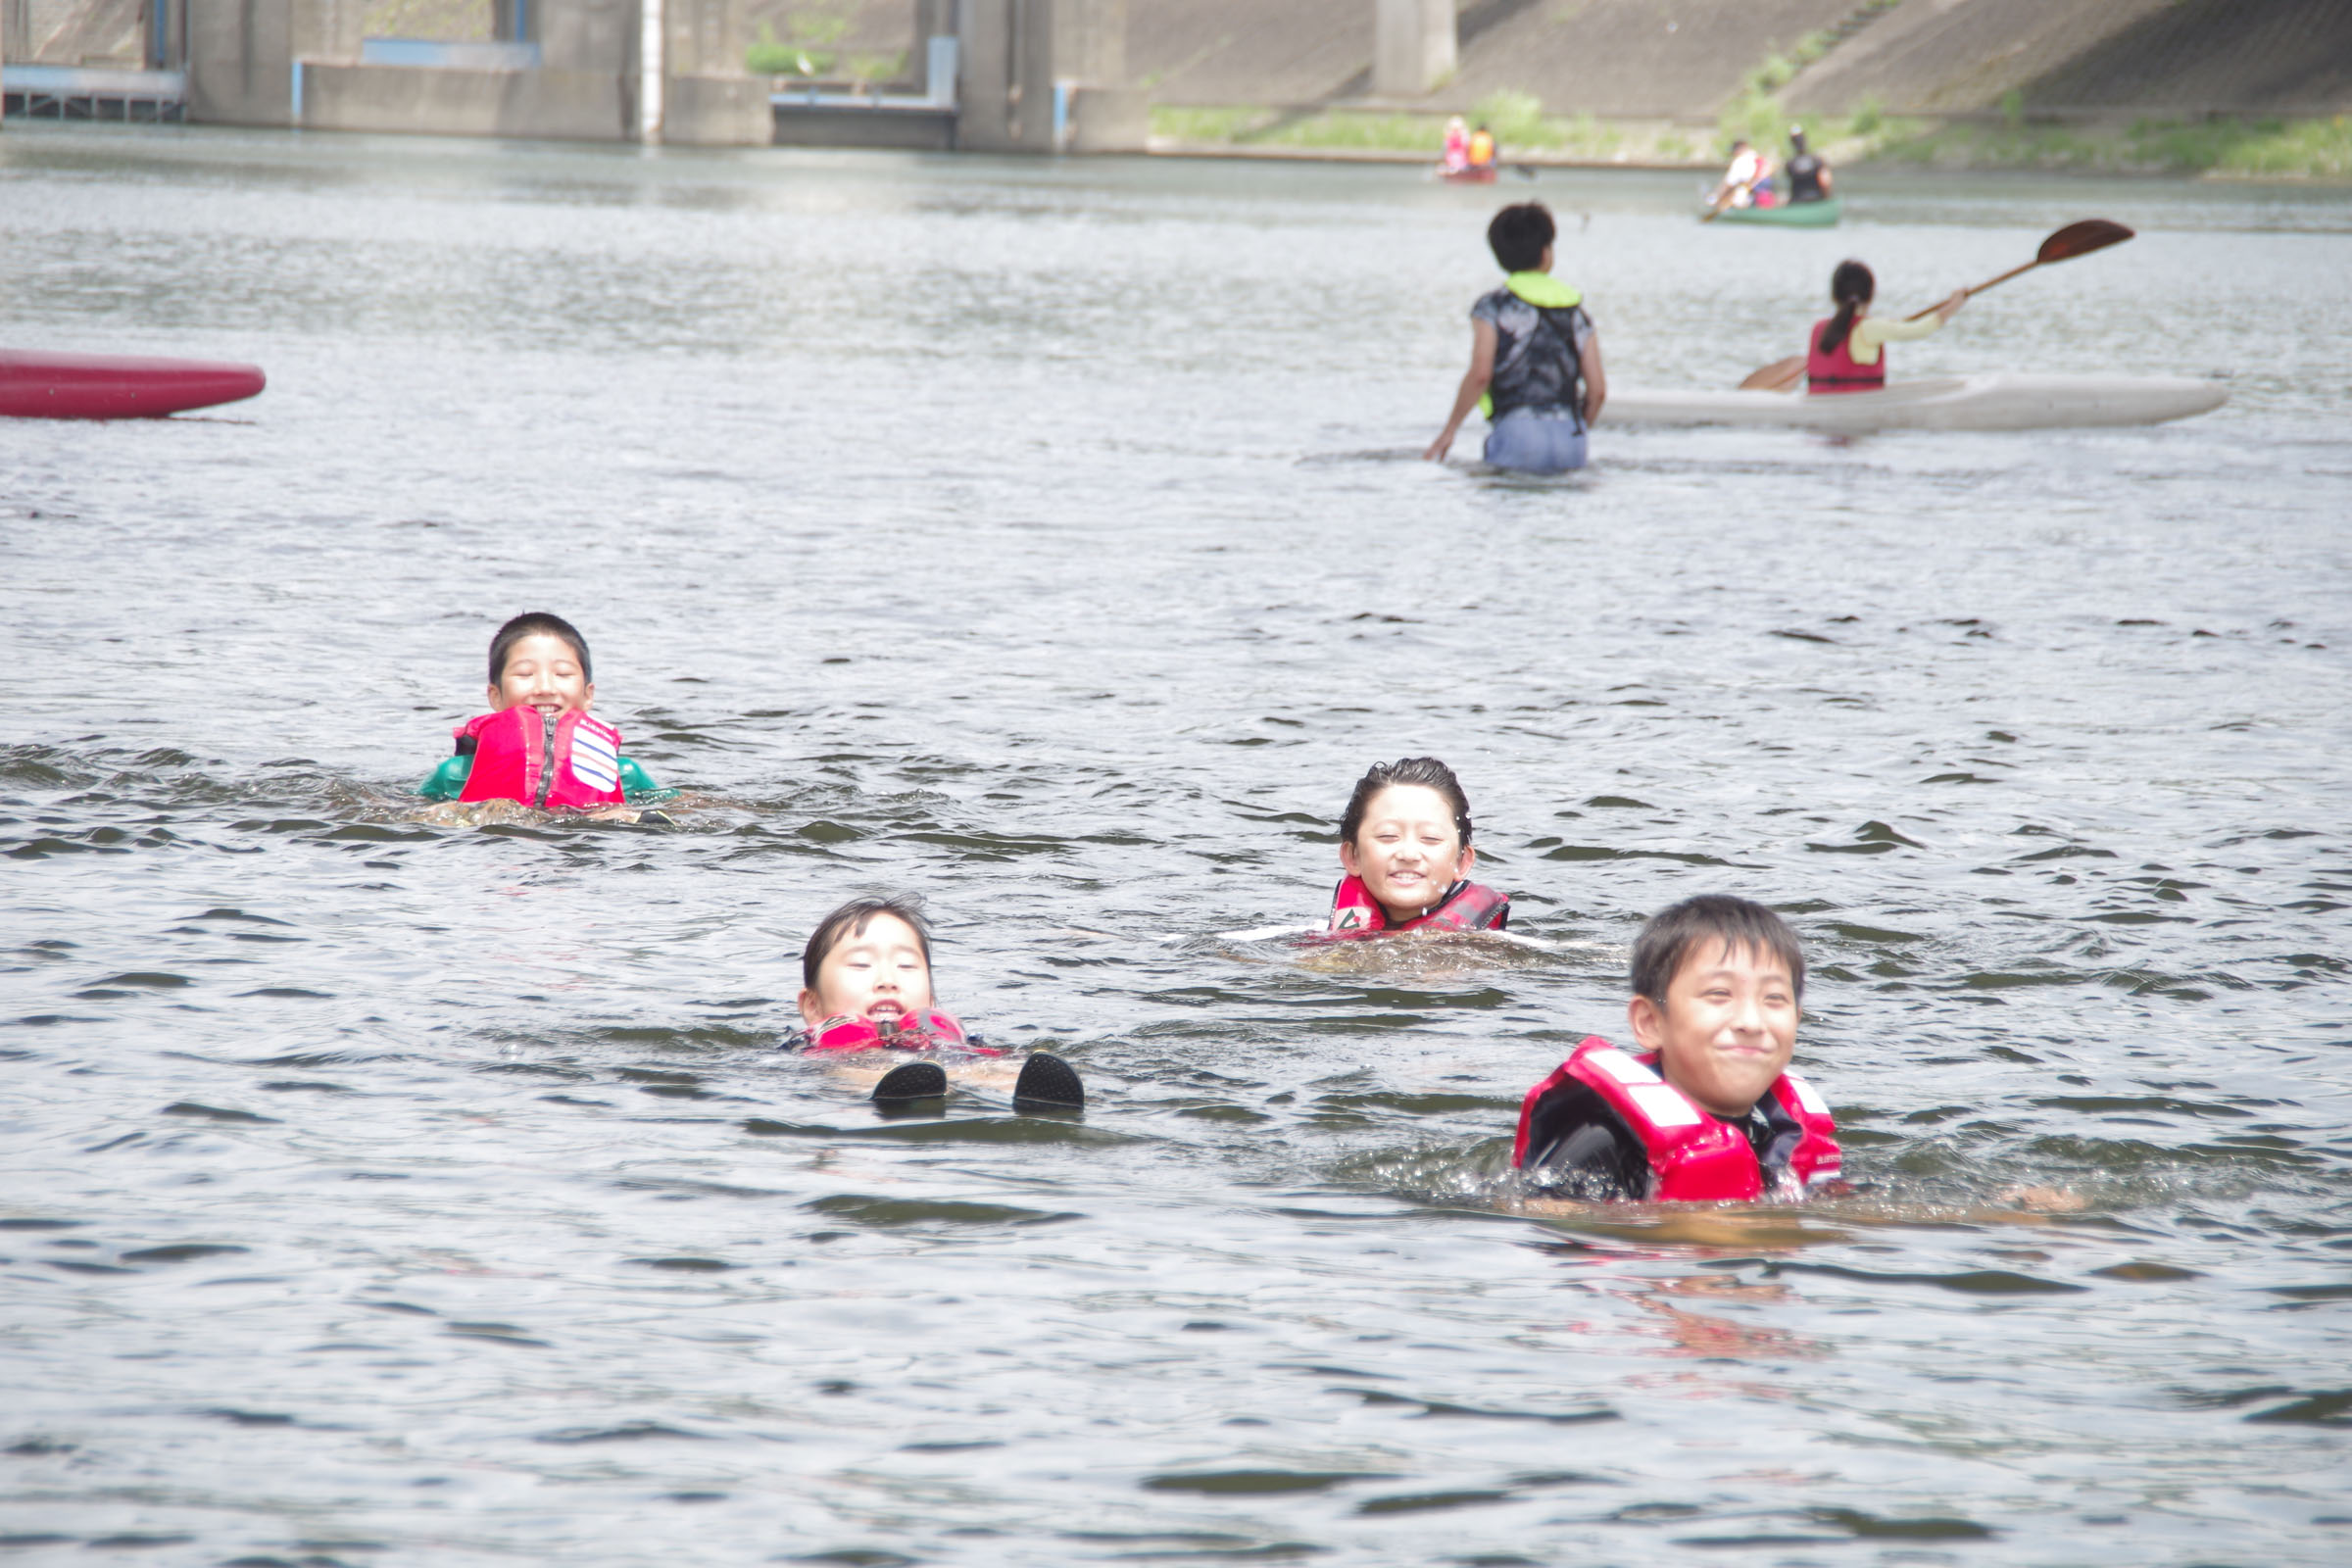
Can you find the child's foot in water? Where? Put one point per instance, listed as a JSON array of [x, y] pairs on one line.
[[915, 1080], [1048, 1080]]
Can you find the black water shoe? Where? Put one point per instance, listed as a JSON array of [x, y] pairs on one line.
[[912, 1080], [1048, 1080]]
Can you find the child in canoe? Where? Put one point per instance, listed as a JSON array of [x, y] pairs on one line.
[[538, 743], [1405, 844], [865, 998], [1707, 1111]]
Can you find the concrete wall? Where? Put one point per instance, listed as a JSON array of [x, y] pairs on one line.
[[1414, 46], [907, 130], [717, 112], [1953, 56], [563, 105]]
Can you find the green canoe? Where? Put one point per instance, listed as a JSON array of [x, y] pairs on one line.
[[1798, 215]]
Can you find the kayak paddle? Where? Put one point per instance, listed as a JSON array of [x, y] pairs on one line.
[[2074, 239]]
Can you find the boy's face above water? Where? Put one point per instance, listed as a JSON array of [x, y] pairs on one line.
[[544, 671], [878, 973], [1728, 1028], [1408, 852]]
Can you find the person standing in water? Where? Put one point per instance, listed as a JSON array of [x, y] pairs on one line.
[[1846, 352], [1809, 176], [1534, 358]]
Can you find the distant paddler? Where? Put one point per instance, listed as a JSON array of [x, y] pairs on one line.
[[1747, 170], [1457, 156], [1808, 176], [1481, 150]]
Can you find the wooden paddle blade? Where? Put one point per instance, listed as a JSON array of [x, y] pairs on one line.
[[1776, 377], [2081, 239]]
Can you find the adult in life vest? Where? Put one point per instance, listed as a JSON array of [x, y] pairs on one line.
[[539, 744], [1808, 174], [1846, 351], [1704, 1109], [1404, 845]]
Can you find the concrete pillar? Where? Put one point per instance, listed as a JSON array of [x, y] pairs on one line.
[[241, 63], [1412, 46], [1006, 76]]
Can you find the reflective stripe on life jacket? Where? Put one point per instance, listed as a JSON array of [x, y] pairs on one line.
[[1694, 1158], [921, 1031], [1466, 907], [564, 761], [1837, 372]]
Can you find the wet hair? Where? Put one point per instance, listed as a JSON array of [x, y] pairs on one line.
[[852, 919], [536, 624], [1426, 771], [1518, 235], [1737, 145], [1671, 934], [1850, 287]]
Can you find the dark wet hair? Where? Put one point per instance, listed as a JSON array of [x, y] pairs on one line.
[[1851, 288], [536, 624], [1518, 235], [1426, 771], [852, 919], [1797, 137], [1667, 940]]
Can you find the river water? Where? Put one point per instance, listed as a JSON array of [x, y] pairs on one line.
[[1047, 538]]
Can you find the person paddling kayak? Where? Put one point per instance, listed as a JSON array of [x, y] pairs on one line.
[[1847, 352]]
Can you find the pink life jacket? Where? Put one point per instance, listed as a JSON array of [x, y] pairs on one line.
[[564, 761], [1466, 907], [919, 1031], [1693, 1157], [1837, 372]]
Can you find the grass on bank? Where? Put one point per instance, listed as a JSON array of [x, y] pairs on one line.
[[2226, 148]]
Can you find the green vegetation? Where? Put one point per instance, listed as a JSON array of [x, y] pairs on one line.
[[810, 47], [2261, 149], [447, 21]]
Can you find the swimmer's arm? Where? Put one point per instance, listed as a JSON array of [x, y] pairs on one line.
[[449, 779], [1473, 387], [1596, 380]]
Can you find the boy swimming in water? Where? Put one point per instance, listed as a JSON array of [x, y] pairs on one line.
[[1535, 360], [538, 745], [1404, 843], [1708, 1112], [865, 987]]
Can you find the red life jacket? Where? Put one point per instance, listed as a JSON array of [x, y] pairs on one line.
[[564, 761], [919, 1031], [1466, 907], [1837, 372], [1693, 1157]]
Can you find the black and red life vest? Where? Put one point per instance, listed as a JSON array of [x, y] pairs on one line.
[[1466, 907], [1695, 1157], [918, 1031], [1836, 372], [563, 761]]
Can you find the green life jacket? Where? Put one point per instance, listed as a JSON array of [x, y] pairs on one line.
[[1546, 293]]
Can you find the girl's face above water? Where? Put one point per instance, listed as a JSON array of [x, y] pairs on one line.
[[877, 972], [544, 671], [1408, 852]]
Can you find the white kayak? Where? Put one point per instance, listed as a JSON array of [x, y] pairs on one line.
[[1934, 403]]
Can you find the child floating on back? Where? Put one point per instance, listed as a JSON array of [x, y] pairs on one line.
[[1708, 1112], [538, 743], [865, 989], [1404, 843]]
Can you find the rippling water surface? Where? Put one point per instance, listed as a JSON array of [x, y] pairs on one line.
[[1045, 539]]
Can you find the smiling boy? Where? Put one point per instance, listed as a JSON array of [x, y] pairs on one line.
[[1708, 1112], [538, 743]]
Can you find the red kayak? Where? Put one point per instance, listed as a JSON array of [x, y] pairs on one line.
[[116, 387]]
